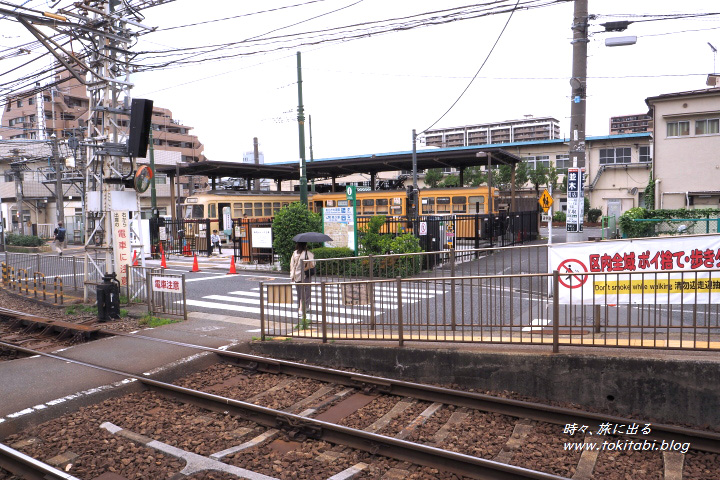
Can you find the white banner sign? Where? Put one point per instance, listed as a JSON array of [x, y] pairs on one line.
[[623, 264], [121, 243], [167, 284], [261, 237]]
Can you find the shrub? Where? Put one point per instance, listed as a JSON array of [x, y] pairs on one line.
[[559, 216], [288, 222], [327, 268], [632, 229], [370, 240], [594, 215], [23, 240]]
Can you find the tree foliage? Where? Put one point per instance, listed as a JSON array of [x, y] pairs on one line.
[[288, 222], [433, 176]]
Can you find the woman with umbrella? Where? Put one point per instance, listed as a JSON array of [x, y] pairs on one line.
[[301, 262]]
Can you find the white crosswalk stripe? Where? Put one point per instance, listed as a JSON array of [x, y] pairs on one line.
[[248, 302]]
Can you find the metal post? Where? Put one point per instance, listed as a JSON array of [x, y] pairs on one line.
[[184, 298], [323, 306], [453, 322], [556, 312], [401, 340], [371, 292], [262, 311], [148, 289]]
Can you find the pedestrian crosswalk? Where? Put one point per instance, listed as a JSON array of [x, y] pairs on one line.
[[337, 310]]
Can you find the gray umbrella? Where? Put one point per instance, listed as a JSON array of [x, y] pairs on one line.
[[312, 237]]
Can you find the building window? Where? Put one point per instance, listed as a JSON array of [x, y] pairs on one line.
[[31, 101], [537, 160], [609, 156], [644, 154], [562, 163], [19, 103], [678, 129], [707, 127]]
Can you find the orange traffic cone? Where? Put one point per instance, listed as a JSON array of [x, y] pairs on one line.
[[195, 264], [232, 266], [134, 259], [162, 261]]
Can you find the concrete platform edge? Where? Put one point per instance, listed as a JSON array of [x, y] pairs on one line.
[[664, 390]]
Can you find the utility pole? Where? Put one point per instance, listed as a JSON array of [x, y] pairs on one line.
[[301, 133], [256, 157], [59, 194], [578, 105], [153, 192], [312, 182]]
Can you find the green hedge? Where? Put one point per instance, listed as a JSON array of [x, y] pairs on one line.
[[23, 240]]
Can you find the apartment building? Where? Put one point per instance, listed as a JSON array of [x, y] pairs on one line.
[[65, 109], [27, 124], [639, 122], [525, 130], [686, 142]]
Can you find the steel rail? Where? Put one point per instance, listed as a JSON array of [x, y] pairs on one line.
[[29, 468], [699, 439], [305, 427]]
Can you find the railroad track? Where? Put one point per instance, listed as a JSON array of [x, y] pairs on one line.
[[251, 414], [42, 333]]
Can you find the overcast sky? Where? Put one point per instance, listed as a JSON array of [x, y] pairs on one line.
[[366, 95]]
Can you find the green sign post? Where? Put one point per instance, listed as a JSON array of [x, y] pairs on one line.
[[351, 190]]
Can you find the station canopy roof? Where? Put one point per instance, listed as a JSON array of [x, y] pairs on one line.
[[458, 157]]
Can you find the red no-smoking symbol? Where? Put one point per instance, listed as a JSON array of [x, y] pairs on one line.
[[569, 270]]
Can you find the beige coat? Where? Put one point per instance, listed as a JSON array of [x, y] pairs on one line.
[[296, 274]]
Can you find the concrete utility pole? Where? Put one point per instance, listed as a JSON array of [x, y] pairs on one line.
[[256, 156], [59, 194], [301, 134], [578, 105]]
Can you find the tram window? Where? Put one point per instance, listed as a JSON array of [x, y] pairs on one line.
[[194, 211], [212, 210], [443, 204], [428, 205], [368, 206], [382, 206], [276, 207], [248, 209], [285, 204], [342, 203], [397, 210], [237, 210], [459, 204], [472, 204], [329, 203], [267, 209], [258, 209]]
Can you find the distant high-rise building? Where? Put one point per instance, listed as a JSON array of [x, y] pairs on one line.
[[641, 122], [525, 130]]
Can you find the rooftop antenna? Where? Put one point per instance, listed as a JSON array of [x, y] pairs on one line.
[[714, 50]]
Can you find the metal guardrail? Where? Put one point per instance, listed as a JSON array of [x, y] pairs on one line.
[[508, 308], [445, 263]]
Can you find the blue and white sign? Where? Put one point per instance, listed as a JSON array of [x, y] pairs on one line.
[[575, 200]]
